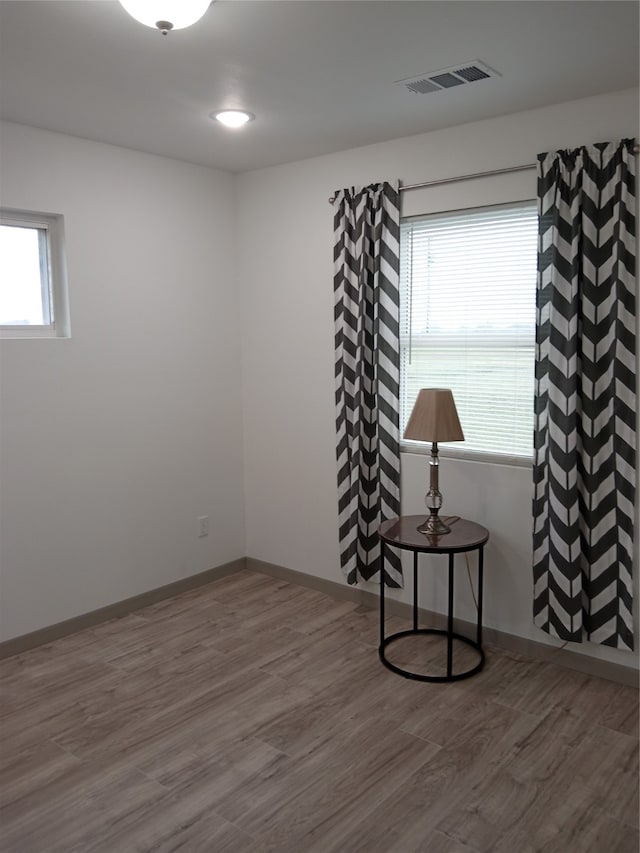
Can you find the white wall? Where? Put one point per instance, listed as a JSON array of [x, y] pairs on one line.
[[116, 440], [285, 274], [113, 442]]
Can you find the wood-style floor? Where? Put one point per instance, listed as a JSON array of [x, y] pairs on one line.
[[254, 715]]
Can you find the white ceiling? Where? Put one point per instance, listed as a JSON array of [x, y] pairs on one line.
[[318, 74]]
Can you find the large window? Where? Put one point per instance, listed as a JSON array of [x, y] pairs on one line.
[[468, 285], [32, 280]]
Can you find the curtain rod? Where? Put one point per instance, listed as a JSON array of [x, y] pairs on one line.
[[522, 168], [404, 187], [469, 177]]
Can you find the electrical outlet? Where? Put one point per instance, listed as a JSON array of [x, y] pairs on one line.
[[203, 525]]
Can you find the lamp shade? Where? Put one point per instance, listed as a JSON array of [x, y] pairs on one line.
[[178, 13], [434, 417]]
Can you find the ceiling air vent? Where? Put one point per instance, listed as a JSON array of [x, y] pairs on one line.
[[448, 78]]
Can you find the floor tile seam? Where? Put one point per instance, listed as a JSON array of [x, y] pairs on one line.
[[313, 753], [155, 658], [45, 783], [288, 680], [117, 763], [262, 742], [469, 728], [299, 679], [517, 705], [294, 755], [65, 749], [471, 848], [102, 750], [122, 762], [255, 839], [297, 631], [613, 728], [191, 785], [579, 722], [361, 647], [94, 777], [634, 739], [148, 776], [116, 669], [422, 738]]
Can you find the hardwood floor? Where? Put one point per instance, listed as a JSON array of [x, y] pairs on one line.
[[253, 715]]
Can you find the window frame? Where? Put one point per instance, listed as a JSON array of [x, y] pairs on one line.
[[53, 274], [454, 451]]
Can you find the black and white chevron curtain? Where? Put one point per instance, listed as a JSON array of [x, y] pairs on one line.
[[367, 373], [585, 446]]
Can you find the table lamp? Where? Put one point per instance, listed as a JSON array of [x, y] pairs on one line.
[[434, 418]]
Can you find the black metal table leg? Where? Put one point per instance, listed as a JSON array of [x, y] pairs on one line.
[[382, 556], [450, 621], [480, 586], [415, 591]]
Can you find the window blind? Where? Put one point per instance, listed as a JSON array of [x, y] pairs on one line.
[[467, 320]]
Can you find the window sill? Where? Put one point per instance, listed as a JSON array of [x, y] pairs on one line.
[[424, 449], [30, 332]]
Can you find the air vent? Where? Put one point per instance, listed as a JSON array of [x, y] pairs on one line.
[[448, 78], [421, 86]]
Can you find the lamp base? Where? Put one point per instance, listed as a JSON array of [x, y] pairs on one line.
[[434, 526]]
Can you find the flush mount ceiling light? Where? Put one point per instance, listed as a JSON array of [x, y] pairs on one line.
[[233, 118], [166, 15]]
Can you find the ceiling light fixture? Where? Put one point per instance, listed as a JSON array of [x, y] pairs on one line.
[[233, 118], [166, 15]]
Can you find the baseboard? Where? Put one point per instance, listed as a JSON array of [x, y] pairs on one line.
[[509, 642], [335, 590], [17, 645]]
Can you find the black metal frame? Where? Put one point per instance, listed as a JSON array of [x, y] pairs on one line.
[[449, 633]]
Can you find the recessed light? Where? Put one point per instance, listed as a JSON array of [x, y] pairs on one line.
[[233, 118]]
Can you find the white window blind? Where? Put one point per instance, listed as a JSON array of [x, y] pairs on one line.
[[468, 289]]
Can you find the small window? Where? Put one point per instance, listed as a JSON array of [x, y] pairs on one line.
[[468, 310], [33, 293]]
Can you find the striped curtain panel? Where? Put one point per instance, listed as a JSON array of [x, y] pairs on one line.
[[584, 458], [367, 372]]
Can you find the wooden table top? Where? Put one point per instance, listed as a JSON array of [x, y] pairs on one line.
[[403, 532]]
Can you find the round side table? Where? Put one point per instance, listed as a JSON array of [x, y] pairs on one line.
[[465, 535]]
